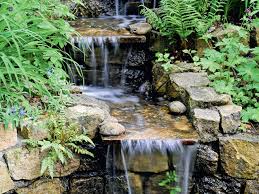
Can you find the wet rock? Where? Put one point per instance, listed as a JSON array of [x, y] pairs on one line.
[[6, 183], [146, 88], [37, 130], [140, 28], [206, 122], [180, 82], [135, 183], [206, 97], [239, 155], [89, 118], [136, 58], [155, 162], [230, 118], [116, 184], [134, 78], [217, 184], [206, 160], [89, 185], [177, 107], [43, 186], [153, 185], [8, 137], [112, 129], [23, 164], [252, 187]]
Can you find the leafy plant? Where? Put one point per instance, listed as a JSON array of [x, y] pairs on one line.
[[184, 17], [233, 70], [65, 139], [166, 61], [169, 182], [32, 37]]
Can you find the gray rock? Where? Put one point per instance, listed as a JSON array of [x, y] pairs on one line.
[[112, 129], [43, 186], [206, 122], [177, 107], [6, 183], [89, 118], [206, 160], [206, 97], [180, 82], [140, 28], [239, 155], [217, 184], [230, 118]]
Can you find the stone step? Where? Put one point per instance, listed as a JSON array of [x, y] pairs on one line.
[[180, 82], [205, 97]]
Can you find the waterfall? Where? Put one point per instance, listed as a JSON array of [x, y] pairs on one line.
[[90, 44], [154, 4], [181, 156], [117, 7]]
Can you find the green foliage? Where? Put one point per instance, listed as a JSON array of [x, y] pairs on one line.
[[251, 11], [32, 37], [64, 140], [166, 61], [234, 71], [184, 17], [169, 183]]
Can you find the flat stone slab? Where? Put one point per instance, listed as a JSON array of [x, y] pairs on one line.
[[190, 79], [205, 97], [6, 183], [180, 128]]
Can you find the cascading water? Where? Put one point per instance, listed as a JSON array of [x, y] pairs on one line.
[[180, 159], [90, 44]]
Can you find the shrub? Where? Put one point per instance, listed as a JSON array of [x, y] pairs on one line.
[[233, 69], [33, 34]]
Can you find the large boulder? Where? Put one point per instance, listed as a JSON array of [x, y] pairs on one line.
[[230, 118], [206, 122], [206, 160], [206, 97], [6, 183], [8, 137], [239, 155], [89, 118], [43, 186]]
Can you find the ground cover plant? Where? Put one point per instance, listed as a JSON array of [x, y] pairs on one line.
[[33, 35]]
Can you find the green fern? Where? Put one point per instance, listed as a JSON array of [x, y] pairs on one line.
[[65, 139]]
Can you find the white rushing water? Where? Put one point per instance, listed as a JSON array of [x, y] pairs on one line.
[[182, 156]]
